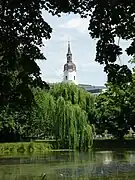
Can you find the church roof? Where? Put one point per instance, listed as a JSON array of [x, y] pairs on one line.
[[70, 66]]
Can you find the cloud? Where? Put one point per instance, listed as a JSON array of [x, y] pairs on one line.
[[58, 73], [53, 76], [62, 37], [77, 23], [90, 67]]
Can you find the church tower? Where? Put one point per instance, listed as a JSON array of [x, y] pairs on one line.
[[69, 68]]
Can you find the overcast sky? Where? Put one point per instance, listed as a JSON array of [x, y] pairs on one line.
[[83, 49]]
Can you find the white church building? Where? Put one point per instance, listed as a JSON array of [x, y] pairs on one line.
[[69, 68], [70, 75]]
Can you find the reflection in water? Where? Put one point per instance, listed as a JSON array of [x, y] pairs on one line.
[[69, 165]]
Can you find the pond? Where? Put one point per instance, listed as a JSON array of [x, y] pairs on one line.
[[108, 165]]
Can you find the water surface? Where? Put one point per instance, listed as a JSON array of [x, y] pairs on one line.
[[117, 164]]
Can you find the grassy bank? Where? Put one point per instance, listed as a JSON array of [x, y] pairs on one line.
[[24, 147]]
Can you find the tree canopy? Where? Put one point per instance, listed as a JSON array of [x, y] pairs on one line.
[[115, 110], [22, 29], [64, 113], [73, 115]]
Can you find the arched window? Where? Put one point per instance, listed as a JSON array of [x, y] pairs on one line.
[[66, 77], [74, 77]]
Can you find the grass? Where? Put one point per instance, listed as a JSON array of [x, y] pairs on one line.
[[24, 147]]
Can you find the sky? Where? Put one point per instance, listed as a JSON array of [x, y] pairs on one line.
[[83, 47]]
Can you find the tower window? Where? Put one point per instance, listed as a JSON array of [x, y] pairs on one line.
[[66, 77], [74, 77]]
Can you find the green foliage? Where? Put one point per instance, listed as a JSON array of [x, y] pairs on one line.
[[115, 110], [24, 147], [43, 114], [21, 33], [21, 30], [109, 21], [71, 92], [72, 116], [62, 113]]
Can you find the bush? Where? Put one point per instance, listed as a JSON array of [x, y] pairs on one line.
[[24, 147]]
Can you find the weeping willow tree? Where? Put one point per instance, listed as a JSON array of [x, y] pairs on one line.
[[74, 94], [77, 96], [83, 131], [43, 113], [73, 107], [72, 128], [63, 113]]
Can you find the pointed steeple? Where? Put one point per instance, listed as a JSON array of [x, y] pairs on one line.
[[69, 54], [69, 50]]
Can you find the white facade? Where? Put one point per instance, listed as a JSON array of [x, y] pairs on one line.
[[70, 76]]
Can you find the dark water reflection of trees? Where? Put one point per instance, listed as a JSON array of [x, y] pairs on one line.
[[62, 165]]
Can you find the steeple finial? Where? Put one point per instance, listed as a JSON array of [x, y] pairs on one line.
[[69, 50]]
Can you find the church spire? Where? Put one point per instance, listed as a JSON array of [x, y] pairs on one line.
[[69, 50], [69, 68], [69, 54]]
